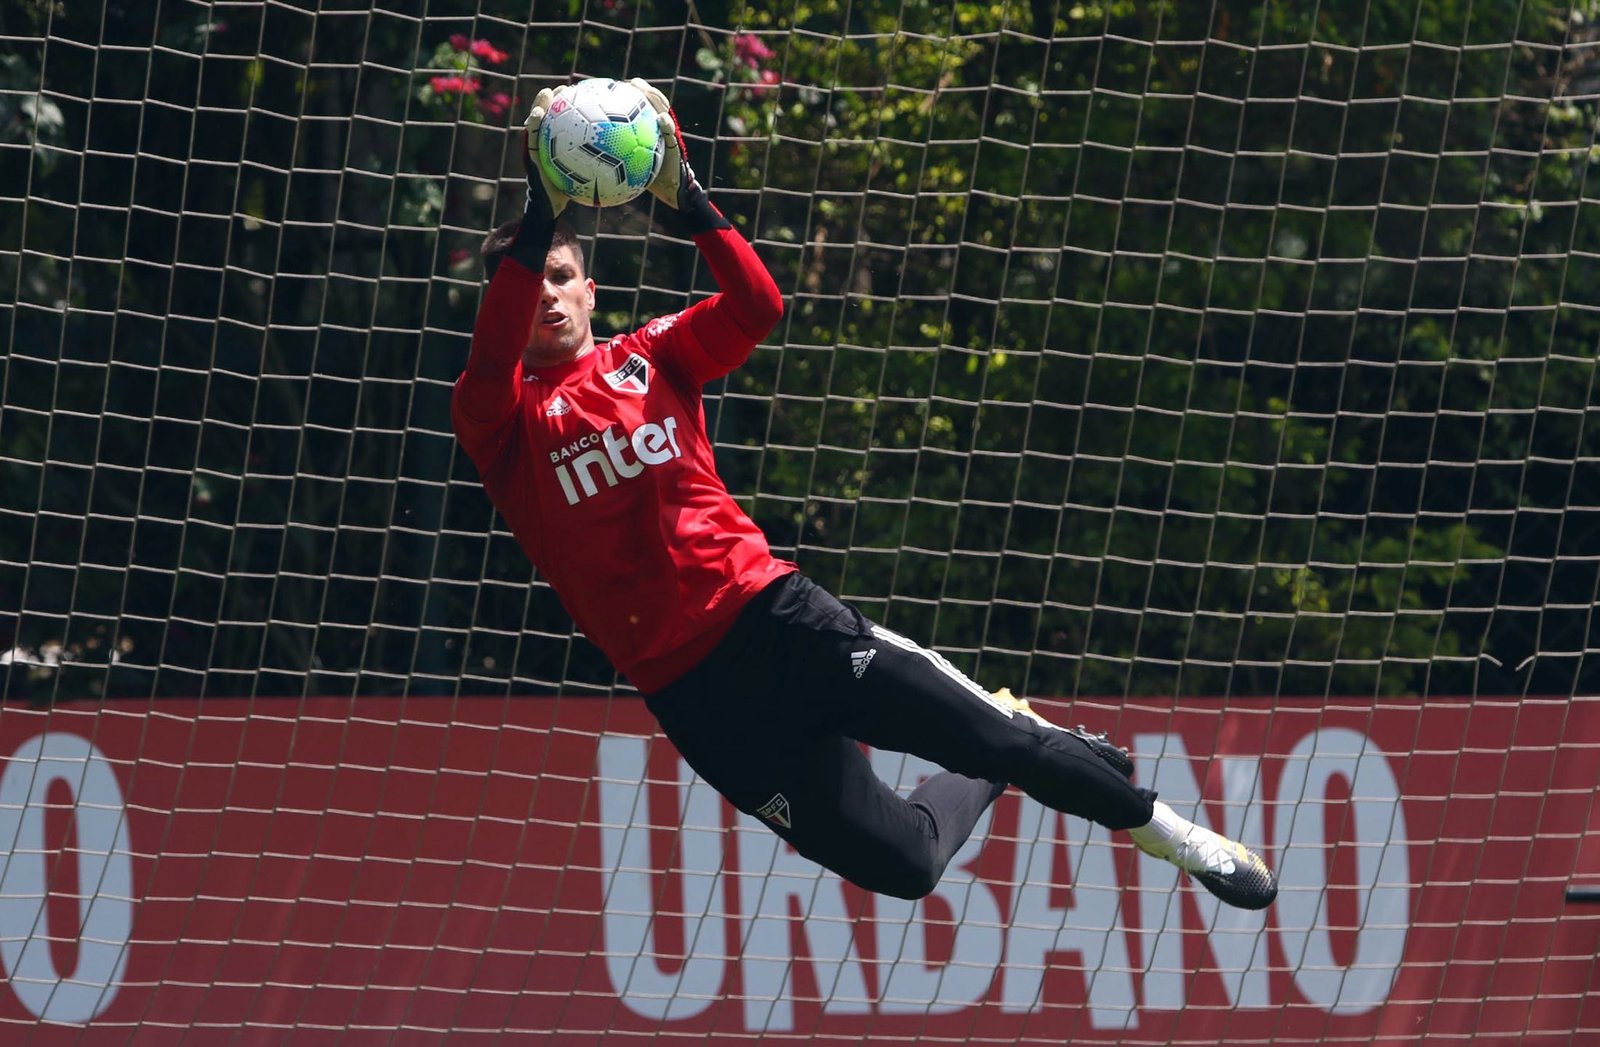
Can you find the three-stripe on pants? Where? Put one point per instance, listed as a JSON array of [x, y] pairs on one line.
[[772, 717]]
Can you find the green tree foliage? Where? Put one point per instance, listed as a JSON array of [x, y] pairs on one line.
[[1278, 304], [1132, 347]]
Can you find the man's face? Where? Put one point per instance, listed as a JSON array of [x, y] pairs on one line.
[[561, 330]]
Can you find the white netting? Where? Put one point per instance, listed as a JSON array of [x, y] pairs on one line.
[[1132, 351], [1156, 354]]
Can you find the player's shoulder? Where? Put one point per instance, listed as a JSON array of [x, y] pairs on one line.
[[648, 336], [659, 326], [654, 338]]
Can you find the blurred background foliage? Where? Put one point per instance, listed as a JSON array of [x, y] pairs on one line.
[[1132, 348]]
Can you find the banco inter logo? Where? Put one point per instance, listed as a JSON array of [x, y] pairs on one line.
[[599, 460]]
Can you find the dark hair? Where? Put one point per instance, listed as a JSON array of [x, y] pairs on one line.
[[498, 244]]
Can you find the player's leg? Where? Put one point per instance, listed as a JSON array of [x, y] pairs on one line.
[[911, 699], [892, 693], [924, 705], [818, 791]]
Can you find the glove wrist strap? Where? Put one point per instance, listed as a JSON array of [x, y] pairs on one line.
[[695, 213], [702, 216], [531, 245]]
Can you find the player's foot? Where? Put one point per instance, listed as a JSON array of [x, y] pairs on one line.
[[1229, 870], [1103, 747], [1098, 744]]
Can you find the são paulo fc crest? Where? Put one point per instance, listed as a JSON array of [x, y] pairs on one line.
[[776, 811], [632, 377]]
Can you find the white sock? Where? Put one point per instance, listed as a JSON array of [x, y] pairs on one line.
[[1165, 826]]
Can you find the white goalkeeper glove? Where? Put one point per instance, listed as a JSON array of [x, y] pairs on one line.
[[544, 199], [675, 184]]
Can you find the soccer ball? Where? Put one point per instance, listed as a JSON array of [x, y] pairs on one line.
[[600, 143]]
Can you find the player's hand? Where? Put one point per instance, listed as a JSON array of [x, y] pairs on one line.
[[544, 199], [675, 184], [669, 181]]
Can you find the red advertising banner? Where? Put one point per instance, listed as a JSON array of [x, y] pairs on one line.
[[434, 870]]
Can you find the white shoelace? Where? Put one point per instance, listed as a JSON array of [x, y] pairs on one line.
[[1204, 851]]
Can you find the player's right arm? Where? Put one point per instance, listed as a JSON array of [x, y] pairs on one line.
[[488, 391]]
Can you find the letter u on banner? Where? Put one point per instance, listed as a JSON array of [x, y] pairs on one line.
[[629, 916]]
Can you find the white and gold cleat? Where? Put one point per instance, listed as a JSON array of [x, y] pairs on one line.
[[1226, 868]]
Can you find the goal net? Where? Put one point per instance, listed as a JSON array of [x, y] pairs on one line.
[[1222, 374]]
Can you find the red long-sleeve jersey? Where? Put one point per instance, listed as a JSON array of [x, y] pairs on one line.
[[605, 474]]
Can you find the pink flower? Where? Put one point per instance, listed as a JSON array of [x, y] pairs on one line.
[[449, 85], [748, 48], [487, 52], [769, 76], [496, 104], [459, 41]]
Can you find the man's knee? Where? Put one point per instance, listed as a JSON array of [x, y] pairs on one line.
[[900, 869], [910, 880], [909, 872]]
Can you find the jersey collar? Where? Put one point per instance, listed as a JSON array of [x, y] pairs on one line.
[[558, 373]]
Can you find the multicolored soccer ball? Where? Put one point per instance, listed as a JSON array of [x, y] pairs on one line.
[[600, 143]]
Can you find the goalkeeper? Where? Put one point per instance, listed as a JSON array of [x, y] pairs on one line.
[[597, 456]]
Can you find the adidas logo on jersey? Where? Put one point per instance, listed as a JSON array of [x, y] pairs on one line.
[[859, 660], [558, 406]]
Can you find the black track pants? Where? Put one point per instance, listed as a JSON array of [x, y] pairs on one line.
[[771, 719]]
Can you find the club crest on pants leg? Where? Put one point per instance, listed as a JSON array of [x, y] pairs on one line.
[[776, 810]]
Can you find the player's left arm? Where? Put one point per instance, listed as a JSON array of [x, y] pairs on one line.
[[716, 335]]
